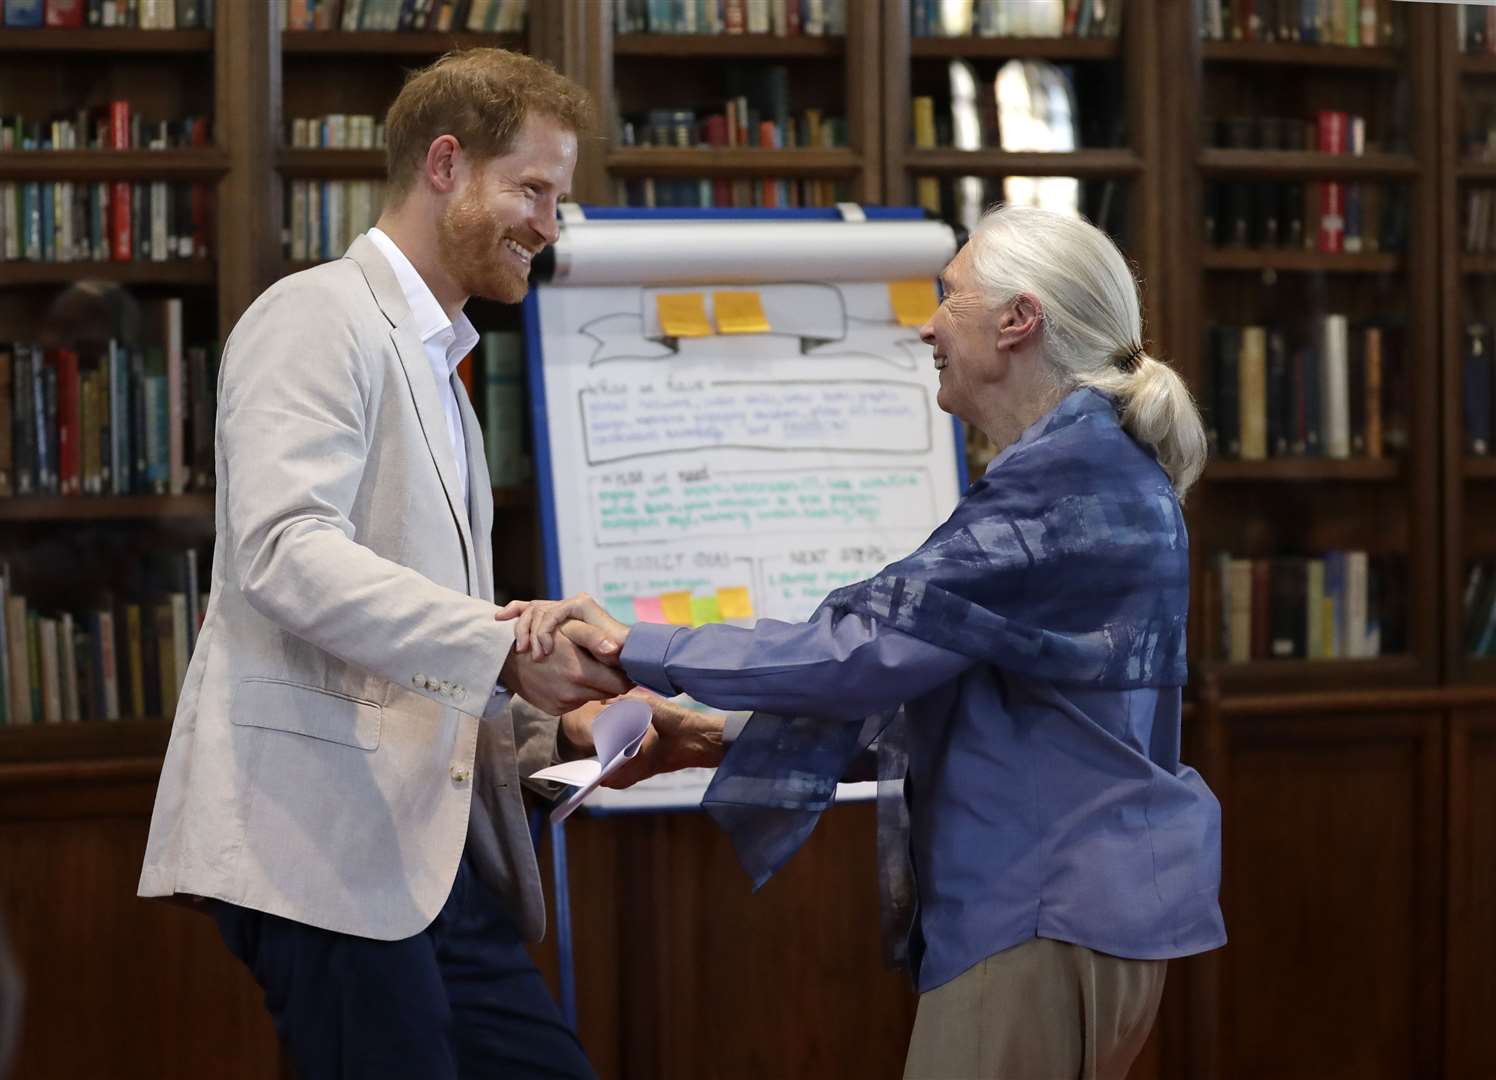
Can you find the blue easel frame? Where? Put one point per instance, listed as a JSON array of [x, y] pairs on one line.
[[540, 428]]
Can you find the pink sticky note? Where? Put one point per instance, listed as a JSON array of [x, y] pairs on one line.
[[647, 609]]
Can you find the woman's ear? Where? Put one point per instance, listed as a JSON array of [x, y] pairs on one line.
[[1019, 321]]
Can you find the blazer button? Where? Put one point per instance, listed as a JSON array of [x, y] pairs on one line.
[[433, 684], [418, 680], [459, 773]]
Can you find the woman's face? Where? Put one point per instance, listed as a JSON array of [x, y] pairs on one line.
[[963, 333]]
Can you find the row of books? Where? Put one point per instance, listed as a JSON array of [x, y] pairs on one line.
[[118, 659], [1333, 392], [110, 14], [1328, 131], [108, 221], [478, 16], [1480, 608], [728, 192], [337, 131], [1003, 18], [1330, 216], [325, 215], [783, 18], [1311, 22], [107, 420], [738, 125], [1341, 605], [1480, 221], [1479, 390], [109, 127], [1475, 28]]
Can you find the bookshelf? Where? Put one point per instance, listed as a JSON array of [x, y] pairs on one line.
[[690, 161], [1248, 244], [1110, 75]]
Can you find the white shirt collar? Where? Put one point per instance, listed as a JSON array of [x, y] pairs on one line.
[[429, 320]]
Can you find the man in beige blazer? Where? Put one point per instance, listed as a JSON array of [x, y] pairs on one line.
[[343, 779]]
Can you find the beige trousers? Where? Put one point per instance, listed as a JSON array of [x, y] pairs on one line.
[[1043, 1010]]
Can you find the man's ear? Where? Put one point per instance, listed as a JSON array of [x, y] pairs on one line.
[[444, 163]]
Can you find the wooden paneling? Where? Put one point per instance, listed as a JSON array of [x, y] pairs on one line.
[[115, 986], [1330, 889], [1470, 998]]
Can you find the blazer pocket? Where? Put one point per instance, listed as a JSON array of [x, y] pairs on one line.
[[307, 710]]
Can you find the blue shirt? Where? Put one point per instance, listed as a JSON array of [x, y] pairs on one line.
[[1035, 810]]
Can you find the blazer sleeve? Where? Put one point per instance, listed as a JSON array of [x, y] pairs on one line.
[[295, 435]]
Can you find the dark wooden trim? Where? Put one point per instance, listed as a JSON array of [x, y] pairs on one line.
[[323, 164], [1298, 470], [184, 272], [94, 742], [1360, 702], [724, 46], [1327, 56], [1217, 161], [80, 508], [391, 43], [1081, 163], [700, 161], [113, 164], [1300, 676], [1289, 260], [90, 774], [106, 41], [1059, 50]]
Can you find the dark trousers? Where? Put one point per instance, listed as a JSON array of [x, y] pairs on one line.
[[459, 999]]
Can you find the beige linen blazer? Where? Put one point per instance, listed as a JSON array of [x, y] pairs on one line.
[[336, 740]]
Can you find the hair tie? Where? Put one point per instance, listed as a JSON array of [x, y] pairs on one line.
[[1130, 358]]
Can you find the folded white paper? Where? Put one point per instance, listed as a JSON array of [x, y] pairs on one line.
[[617, 732]]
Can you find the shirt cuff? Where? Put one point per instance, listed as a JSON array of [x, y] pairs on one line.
[[498, 701], [643, 656], [732, 726]]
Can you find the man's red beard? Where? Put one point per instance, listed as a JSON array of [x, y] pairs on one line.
[[471, 245]]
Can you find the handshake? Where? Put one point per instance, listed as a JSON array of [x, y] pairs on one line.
[[565, 661]]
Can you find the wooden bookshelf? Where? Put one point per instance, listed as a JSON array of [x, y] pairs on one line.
[[729, 46], [1305, 470], [403, 43], [331, 164], [93, 741], [196, 273], [1059, 50], [1079, 163], [81, 509], [141, 42], [201, 165], [1305, 164], [1291, 260], [696, 161], [1310, 56]]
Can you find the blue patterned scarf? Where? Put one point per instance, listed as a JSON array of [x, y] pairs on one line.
[[1068, 561]]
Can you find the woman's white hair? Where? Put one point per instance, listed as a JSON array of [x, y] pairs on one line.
[[1092, 325]]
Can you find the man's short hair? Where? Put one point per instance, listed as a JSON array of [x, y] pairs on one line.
[[481, 97]]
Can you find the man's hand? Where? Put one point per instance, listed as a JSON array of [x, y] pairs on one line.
[[678, 738], [576, 730], [537, 622], [565, 680]]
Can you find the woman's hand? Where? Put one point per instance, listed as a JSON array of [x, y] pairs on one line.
[[587, 625]]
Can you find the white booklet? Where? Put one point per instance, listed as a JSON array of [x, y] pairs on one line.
[[617, 732]]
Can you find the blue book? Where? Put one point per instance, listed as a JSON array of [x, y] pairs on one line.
[[49, 223], [1477, 390], [23, 13]]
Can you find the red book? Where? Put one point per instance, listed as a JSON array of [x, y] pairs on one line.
[[734, 16], [64, 13], [1330, 126], [119, 223], [767, 136], [69, 424], [716, 130], [119, 125], [721, 191]]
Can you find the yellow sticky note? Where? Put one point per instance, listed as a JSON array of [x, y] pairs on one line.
[[704, 610], [913, 301], [735, 603], [740, 312], [676, 607], [683, 314]]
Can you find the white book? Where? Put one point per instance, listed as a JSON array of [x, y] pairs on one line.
[[337, 222], [1240, 645], [300, 132], [298, 220], [617, 733], [757, 21], [1334, 393], [314, 234], [12, 221], [51, 681], [68, 668], [175, 411], [1314, 608], [1354, 632], [159, 251], [63, 208]]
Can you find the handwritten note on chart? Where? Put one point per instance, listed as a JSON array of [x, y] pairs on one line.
[[622, 421]]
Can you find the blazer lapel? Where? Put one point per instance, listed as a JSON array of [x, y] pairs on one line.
[[419, 380], [481, 488]]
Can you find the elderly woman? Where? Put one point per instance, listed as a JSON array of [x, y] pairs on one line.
[[1021, 672]]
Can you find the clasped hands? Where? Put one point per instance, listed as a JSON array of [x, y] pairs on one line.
[[566, 660]]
